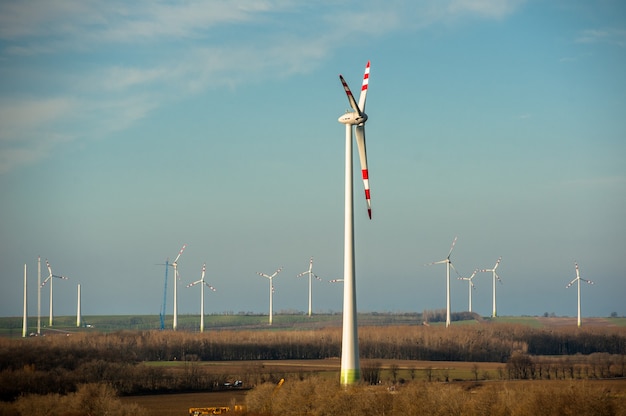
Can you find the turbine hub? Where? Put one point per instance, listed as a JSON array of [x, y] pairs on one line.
[[353, 118]]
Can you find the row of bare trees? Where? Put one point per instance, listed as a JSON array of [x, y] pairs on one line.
[[592, 366], [60, 363]]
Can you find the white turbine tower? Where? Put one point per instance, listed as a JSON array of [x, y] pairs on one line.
[[270, 278], [78, 310], [174, 264], [50, 278], [471, 286], [448, 264], [311, 275], [202, 284], [350, 368], [39, 295], [495, 277], [25, 317], [578, 279]]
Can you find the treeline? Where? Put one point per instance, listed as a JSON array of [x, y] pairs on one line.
[[521, 366], [60, 363]]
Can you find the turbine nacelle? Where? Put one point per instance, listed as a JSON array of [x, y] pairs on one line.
[[353, 118]]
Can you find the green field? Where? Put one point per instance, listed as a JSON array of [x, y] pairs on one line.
[[12, 326]]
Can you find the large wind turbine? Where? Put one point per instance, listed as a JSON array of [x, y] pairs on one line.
[[350, 368], [25, 316], [38, 295], [448, 264], [578, 279], [495, 277], [174, 264], [311, 275], [471, 286], [50, 278], [271, 289], [202, 284]]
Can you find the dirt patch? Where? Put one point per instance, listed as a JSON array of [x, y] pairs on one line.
[[179, 404]]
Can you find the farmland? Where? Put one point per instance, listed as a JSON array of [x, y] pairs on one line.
[[160, 369]]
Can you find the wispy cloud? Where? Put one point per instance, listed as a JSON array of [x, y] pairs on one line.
[[610, 36], [161, 51]]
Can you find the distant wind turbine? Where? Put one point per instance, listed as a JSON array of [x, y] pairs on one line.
[[202, 284], [448, 264], [578, 279], [350, 367], [495, 277], [311, 275], [174, 264], [471, 286], [50, 278], [271, 277]]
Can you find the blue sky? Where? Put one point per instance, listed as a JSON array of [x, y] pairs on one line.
[[128, 130]]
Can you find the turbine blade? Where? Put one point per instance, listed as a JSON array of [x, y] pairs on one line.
[[203, 272], [210, 287], [360, 141], [571, 283], [588, 281], [353, 103], [452, 246], [194, 283], [497, 263], [180, 252], [49, 269], [366, 77]]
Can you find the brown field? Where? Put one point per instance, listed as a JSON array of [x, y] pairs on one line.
[[179, 404]]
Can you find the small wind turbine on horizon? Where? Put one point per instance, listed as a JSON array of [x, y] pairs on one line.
[[448, 264], [471, 286], [495, 277], [174, 264], [202, 283], [311, 275], [578, 279], [350, 367], [270, 278], [50, 278]]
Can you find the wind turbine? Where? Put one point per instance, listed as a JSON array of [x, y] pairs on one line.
[[202, 284], [25, 316], [271, 289], [448, 264], [350, 368], [38, 295], [471, 286], [50, 278], [578, 279], [174, 264], [311, 274], [495, 277]]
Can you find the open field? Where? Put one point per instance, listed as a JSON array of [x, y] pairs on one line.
[[178, 404], [12, 326]]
